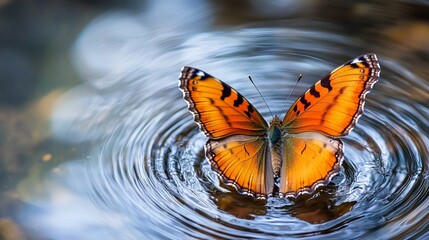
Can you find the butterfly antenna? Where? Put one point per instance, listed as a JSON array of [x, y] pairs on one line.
[[260, 94], [296, 83]]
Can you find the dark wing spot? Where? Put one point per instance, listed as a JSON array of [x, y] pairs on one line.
[[224, 116], [314, 92], [326, 82], [336, 98], [211, 100], [305, 146], [326, 112], [248, 154], [364, 62], [194, 88], [194, 74], [354, 65], [224, 146], [295, 108], [297, 113], [324, 147], [305, 102], [249, 111], [226, 91], [342, 90], [239, 100]]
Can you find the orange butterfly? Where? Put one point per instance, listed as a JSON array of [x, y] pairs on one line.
[[301, 151]]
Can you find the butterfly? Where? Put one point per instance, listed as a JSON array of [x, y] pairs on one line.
[[292, 156]]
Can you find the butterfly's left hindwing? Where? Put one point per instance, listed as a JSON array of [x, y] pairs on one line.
[[219, 110], [241, 161]]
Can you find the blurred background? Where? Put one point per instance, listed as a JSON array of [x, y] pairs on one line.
[[55, 55]]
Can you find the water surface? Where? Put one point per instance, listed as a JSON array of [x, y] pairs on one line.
[[142, 173]]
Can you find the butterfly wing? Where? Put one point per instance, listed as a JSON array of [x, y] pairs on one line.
[[218, 109], [334, 104], [309, 160], [241, 161], [237, 148]]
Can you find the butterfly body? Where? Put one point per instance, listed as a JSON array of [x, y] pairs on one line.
[[275, 135], [302, 149]]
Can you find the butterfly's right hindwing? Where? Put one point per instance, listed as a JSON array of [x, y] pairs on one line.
[[310, 159]]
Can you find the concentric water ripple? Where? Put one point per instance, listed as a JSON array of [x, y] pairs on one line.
[[149, 173]]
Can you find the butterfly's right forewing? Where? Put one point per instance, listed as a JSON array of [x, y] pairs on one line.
[[334, 104]]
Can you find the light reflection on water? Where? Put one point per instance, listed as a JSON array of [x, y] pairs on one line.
[[145, 175]]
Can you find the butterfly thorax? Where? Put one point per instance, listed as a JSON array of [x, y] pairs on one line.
[[274, 132], [275, 142]]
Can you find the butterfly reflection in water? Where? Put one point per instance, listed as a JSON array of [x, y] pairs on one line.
[[299, 153]]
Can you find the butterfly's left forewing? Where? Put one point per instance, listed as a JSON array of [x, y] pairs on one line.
[[218, 109], [237, 148]]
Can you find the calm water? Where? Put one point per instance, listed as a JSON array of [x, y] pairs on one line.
[[141, 171]]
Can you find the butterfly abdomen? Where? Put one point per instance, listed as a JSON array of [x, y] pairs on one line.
[[276, 159]]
